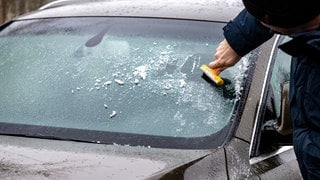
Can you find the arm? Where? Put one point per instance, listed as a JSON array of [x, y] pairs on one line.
[[242, 35]]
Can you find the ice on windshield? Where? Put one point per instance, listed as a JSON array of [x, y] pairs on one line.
[[140, 77]]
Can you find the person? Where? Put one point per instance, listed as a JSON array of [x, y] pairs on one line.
[[257, 23]]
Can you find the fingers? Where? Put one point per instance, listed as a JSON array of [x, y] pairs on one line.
[[217, 66], [225, 57]]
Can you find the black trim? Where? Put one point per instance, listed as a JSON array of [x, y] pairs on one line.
[[257, 136], [125, 17], [102, 137], [6, 24]]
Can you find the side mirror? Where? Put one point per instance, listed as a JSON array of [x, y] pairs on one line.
[[284, 124]]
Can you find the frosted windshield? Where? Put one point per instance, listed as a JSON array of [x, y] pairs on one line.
[[114, 74]]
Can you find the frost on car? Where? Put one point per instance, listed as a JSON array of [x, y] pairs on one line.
[[124, 75]]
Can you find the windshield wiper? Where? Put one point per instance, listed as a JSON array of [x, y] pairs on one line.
[[95, 40]]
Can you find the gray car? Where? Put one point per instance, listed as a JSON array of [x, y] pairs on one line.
[[113, 90]]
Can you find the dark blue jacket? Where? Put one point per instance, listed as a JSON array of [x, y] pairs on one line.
[[244, 34], [305, 100]]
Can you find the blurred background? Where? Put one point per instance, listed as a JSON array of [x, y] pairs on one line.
[[12, 8]]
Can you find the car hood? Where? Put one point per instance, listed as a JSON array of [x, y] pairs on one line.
[[31, 158]]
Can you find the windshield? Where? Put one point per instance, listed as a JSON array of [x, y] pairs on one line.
[[128, 75]]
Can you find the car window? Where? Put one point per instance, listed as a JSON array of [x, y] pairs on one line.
[[280, 75], [268, 138], [116, 74]]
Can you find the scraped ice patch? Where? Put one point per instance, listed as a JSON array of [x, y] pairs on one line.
[[202, 99]]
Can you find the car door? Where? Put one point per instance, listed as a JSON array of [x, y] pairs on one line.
[[271, 150]]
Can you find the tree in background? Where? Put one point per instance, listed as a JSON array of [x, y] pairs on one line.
[[12, 8]]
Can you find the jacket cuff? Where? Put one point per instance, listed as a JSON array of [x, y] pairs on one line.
[[246, 33]]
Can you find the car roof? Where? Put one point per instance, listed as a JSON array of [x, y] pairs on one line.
[[208, 10]]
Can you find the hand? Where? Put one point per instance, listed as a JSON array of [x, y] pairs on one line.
[[225, 57]]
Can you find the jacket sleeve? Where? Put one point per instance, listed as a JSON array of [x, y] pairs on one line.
[[245, 33]]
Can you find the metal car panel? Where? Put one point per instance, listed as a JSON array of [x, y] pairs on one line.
[[287, 171], [280, 164], [32, 158], [238, 160], [246, 124], [186, 9], [210, 167]]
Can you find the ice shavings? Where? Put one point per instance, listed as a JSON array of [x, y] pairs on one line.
[[113, 114], [182, 83], [136, 81], [140, 71], [181, 120], [118, 81], [239, 74], [107, 83], [168, 85], [179, 117], [166, 74]]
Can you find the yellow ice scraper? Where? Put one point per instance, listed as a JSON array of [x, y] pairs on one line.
[[212, 74]]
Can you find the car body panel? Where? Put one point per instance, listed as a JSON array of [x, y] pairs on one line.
[[246, 124], [186, 9], [33, 158], [238, 164], [212, 166], [286, 171]]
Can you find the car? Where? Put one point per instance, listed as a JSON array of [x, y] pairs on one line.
[[94, 89]]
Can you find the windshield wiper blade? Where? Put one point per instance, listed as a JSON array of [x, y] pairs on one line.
[[95, 40]]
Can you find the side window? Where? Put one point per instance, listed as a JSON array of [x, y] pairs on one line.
[[280, 76], [274, 129]]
